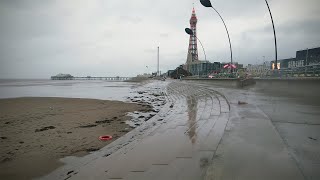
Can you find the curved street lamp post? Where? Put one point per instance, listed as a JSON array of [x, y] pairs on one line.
[[275, 38], [207, 3]]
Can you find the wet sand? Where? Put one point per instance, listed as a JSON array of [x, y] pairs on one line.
[[36, 132]]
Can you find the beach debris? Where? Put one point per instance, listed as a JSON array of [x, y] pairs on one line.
[[45, 128], [92, 149], [6, 159], [88, 126], [242, 102], [103, 121], [105, 138], [312, 138], [171, 106], [70, 172]]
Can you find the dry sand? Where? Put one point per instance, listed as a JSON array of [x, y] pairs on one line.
[[36, 132]]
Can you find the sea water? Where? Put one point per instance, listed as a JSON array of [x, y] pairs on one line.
[[92, 89]]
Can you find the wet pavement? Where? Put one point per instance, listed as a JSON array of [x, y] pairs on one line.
[[200, 132]]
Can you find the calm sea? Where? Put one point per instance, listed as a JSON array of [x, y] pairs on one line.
[[93, 89]]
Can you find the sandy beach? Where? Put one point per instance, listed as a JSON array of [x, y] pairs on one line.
[[36, 132]]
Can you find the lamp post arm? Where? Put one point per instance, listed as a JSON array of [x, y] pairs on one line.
[[227, 32], [205, 56], [275, 38]]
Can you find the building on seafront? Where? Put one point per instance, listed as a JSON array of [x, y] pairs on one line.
[[306, 63]]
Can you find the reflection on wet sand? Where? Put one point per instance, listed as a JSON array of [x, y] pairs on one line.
[[192, 114]]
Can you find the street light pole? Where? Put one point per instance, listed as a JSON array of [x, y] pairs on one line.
[[207, 3], [158, 64], [275, 38]]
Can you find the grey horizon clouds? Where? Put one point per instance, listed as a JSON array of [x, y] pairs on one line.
[[112, 37]]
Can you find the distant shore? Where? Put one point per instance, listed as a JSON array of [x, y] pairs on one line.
[[36, 132]]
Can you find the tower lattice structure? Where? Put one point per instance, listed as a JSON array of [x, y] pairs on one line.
[[193, 48]]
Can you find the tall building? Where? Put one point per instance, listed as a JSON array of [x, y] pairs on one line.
[[193, 48], [193, 65]]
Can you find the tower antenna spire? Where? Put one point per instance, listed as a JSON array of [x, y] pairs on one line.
[[193, 48]]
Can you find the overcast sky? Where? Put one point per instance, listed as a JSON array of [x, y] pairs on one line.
[[40, 38]]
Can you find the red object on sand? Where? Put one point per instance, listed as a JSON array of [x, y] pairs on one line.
[[105, 138]]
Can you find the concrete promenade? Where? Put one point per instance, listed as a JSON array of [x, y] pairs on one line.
[[201, 133]]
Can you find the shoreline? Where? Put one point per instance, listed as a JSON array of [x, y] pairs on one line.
[[35, 132]]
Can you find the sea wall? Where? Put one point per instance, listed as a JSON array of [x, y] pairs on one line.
[[302, 87]]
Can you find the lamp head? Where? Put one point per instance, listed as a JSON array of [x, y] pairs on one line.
[[188, 31], [206, 3]]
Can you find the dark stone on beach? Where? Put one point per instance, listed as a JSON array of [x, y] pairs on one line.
[[7, 123], [114, 117], [92, 149], [241, 102], [45, 128], [21, 142], [137, 124], [10, 153], [6, 159], [141, 117], [171, 106], [107, 155], [160, 119], [3, 137], [103, 121], [312, 138], [88, 126], [70, 172], [69, 132], [122, 122]]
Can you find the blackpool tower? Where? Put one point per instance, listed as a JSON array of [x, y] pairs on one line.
[[193, 49]]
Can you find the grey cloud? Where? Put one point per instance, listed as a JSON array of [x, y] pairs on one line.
[[40, 38], [165, 35], [130, 19]]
